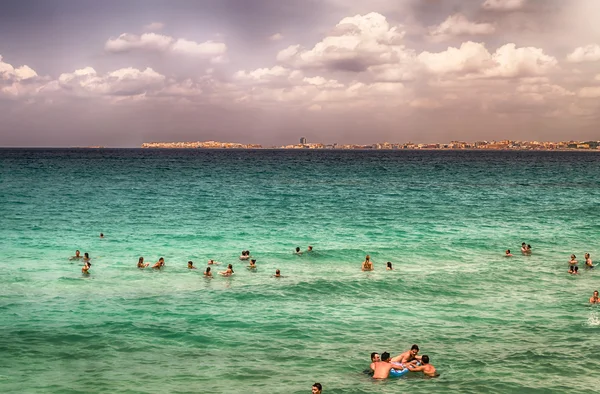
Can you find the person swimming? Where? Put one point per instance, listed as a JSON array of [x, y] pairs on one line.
[[191, 265], [367, 265], [207, 273], [573, 261], [228, 271], [298, 251], [374, 358], [409, 356], [101, 235], [86, 267], [211, 262], [252, 265], [277, 274], [389, 266], [86, 257], [588, 261], [524, 248], [159, 264], [594, 298], [77, 255], [141, 263], [310, 249], [245, 255], [317, 388], [381, 369], [507, 253], [425, 367], [528, 249]]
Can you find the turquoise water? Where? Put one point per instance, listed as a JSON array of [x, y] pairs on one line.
[[488, 323]]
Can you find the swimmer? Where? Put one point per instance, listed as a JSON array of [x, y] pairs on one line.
[[594, 299], [389, 266], [86, 257], [310, 249], [207, 273], [588, 261], [528, 249], [141, 264], [277, 274], [317, 388], [101, 235], [367, 265], [572, 262], [245, 255], [507, 253], [409, 356], [252, 265], [191, 265], [374, 358], [159, 264], [382, 368], [228, 271], [77, 255], [211, 262], [524, 248], [85, 268], [298, 251], [426, 368]]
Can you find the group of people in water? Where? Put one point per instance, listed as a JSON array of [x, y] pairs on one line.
[[367, 265], [382, 366]]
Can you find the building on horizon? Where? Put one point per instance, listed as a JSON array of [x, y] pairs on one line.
[[303, 140]]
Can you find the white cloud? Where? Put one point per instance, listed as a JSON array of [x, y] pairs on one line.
[[264, 75], [276, 37], [8, 72], [160, 43], [588, 53], [590, 92], [503, 5], [475, 61], [148, 41], [459, 25], [322, 82], [154, 26], [123, 82], [18, 81], [357, 42]]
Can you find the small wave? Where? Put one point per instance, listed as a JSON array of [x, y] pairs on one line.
[[593, 319]]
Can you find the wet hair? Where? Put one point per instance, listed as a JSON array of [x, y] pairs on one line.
[[368, 258], [389, 264], [297, 248], [528, 246], [318, 386], [89, 264], [87, 255], [587, 255], [230, 267], [595, 291], [207, 270], [277, 272], [373, 355], [190, 262], [507, 250], [309, 247], [523, 244], [253, 260], [140, 260], [161, 259], [573, 256], [385, 356], [414, 347], [102, 234], [77, 251], [425, 359]]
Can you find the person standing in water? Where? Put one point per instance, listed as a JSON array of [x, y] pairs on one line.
[[207, 273], [86, 267], [573, 261], [252, 265], [298, 251], [228, 271], [159, 264], [77, 255], [191, 265], [381, 369], [389, 266], [507, 253], [277, 274], [141, 263], [367, 265], [425, 367], [594, 298], [588, 261]]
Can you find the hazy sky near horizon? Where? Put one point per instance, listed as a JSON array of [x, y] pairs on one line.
[[119, 73]]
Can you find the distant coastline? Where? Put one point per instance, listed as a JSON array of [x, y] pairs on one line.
[[506, 145]]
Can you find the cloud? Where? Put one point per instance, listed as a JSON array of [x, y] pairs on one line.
[[588, 53], [153, 42], [458, 25], [590, 92], [475, 61], [356, 43], [276, 37], [122, 82], [19, 81], [8, 72], [154, 26], [276, 74], [503, 5]]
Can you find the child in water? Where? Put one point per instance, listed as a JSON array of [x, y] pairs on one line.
[[207, 273]]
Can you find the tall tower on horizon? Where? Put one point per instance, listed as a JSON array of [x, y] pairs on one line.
[[303, 140]]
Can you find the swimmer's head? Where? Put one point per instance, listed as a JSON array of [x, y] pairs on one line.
[[414, 350], [572, 256], [425, 359], [385, 356], [101, 235], [87, 255], [77, 252], [367, 257], [190, 263], [277, 272], [587, 255], [375, 357], [253, 261], [141, 260], [88, 264], [317, 388], [595, 293], [161, 259], [389, 264], [507, 251], [528, 246], [207, 270], [297, 248], [309, 247], [523, 244]]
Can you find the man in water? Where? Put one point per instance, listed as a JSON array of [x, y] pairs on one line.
[[277, 274], [298, 251], [317, 388], [425, 367], [309, 249], [382, 368], [374, 359], [524, 248], [77, 255], [507, 253], [367, 265], [101, 235], [409, 356], [252, 265], [588, 261], [594, 299], [191, 265]]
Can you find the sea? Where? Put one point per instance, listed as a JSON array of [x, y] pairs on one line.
[[489, 324]]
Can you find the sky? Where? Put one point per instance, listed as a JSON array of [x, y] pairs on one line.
[[119, 73]]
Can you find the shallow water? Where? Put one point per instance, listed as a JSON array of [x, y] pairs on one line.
[[488, 323]]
